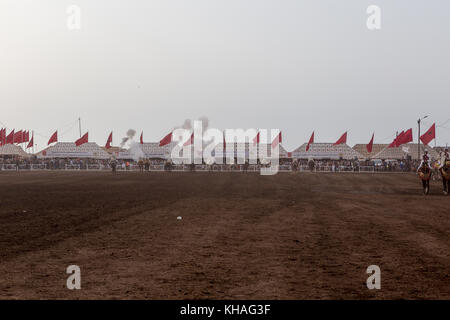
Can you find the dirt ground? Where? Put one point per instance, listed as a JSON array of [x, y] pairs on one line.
[[241, 236]]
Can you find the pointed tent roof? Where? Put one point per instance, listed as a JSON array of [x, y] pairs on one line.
[[326, 151], [403, 151], [70, 150], [12, 150]]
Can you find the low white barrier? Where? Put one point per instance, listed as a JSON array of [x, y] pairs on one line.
[[366, 169], [38, 167], [9, 167], [72, 167]]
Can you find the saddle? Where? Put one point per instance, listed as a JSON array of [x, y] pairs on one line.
[[424, 173]]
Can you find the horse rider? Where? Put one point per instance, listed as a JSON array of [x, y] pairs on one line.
[[445, 157], [425, 169], [446, 154], [425, 160]]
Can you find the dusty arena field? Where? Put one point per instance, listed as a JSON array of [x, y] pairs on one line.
[[241, 236]]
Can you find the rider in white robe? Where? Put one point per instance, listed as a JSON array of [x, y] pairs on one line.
[[425, 159], [445, 156]]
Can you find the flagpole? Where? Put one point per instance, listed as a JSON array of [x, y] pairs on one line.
[[418, 140], [435, 140], [418, 137], [79, 125]]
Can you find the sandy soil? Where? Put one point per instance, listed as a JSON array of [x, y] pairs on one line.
[[242, 236]]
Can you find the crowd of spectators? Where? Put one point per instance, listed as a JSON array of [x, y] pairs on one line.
[[17, 163], [355, 165]]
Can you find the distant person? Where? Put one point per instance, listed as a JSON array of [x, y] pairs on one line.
[[113, 165], [311, 165]]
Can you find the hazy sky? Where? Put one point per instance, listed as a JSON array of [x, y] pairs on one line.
[[297, 65]]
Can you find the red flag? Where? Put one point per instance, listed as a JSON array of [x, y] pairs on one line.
[[311, 140], [109, 141], [370, 145], [342, 139], [10, 138], [84, 139], [404, 137], [31, 143], [394, 142], [26, 136], [142, 137], [277, 140], [256, 139], [18, 137], [190, 141], [53, 138], [429, 135], [398, 140], [166, 140], [2, 137]]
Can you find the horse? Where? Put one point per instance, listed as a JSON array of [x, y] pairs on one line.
[[435, 171], [294, 165], [168, 165], [245, 167], [113, 165], [210, 164], [445, 174], [424, 173], [141, 165]]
